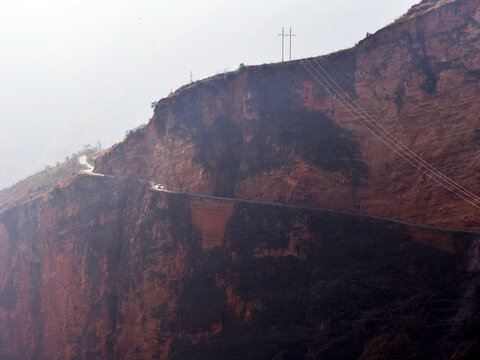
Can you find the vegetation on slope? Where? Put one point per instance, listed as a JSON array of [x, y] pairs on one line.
[[43, 182]]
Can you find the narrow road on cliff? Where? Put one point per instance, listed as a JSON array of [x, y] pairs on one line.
[[90, 171], [83, 161], [469, 299]]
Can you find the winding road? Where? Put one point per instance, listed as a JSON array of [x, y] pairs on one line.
[[83, 161], [90, 171]]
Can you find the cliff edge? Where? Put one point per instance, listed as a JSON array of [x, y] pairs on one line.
[[234, 259], [271, 133]]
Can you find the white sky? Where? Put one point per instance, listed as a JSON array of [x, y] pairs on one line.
[[73, 72]]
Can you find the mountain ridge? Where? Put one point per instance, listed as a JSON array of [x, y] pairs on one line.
[[235, 258]]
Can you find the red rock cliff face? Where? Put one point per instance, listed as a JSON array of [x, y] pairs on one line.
[[107, 268], [271, 133]]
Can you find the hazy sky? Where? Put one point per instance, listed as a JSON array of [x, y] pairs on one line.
[[76, 71]]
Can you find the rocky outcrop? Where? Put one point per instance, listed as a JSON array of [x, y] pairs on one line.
[[271, 133], [236, 260], [107, 268]]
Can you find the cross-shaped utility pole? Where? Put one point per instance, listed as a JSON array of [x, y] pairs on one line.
[[290, 35], [283, 39], [283, 35]]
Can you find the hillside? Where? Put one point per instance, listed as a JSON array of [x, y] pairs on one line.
[[47, 181], [272, 133], [286, 230], [38, 184]]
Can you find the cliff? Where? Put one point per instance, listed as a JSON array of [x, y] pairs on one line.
[[271, 133], [107, 268], [236, 259]]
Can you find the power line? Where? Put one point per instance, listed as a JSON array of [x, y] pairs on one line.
[[394, 140], [352, 107], [376, 132]]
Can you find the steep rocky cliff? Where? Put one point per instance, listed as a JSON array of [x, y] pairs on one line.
[[271, 133], [236, 260], [108, 268]]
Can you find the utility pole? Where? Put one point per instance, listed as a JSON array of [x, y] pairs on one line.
[[283, 35], [283, 40], [290, 35]]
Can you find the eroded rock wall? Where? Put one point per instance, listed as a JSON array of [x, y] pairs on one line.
[[107, 268], [104, 267], [271, 133]]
